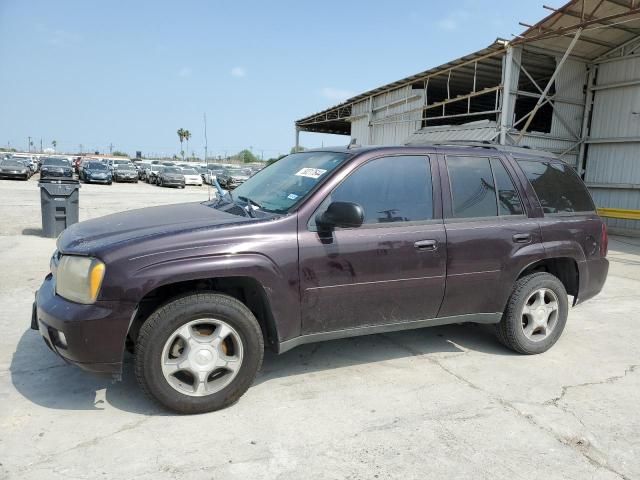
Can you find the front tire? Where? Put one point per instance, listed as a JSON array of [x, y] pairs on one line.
[[536, 314], [199, 353]]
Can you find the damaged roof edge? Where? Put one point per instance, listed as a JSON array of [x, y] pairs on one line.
[[492, 49]]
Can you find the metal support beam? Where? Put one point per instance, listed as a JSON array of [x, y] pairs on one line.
[[586, 114], [506, 95], [297, 138], [559, 116], [544, 93], [592, 18]]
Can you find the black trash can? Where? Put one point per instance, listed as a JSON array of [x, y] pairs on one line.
[[59, 202]]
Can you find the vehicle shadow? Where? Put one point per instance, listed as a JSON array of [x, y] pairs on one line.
[[44, 379]]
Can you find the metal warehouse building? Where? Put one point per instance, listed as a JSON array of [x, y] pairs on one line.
[[569, 84]]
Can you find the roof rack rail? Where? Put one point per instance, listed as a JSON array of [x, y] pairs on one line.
[[489, 145]]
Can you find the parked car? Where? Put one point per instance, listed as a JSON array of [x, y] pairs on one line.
[[233, 177], [191, 176], [29, 161], [125, 172], [13, 169], [151, 173], [212, 174], [54, 167], [96, 172], [170, 177], [321, 245]]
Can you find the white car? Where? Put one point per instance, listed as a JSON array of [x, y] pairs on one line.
[[191, 177]]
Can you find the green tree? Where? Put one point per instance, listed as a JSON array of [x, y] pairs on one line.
[[54, 144], [247, 156], [181, 132], [118, 153], [299, 149], [187, 136]]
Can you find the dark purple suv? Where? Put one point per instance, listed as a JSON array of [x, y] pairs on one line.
[[322, 245]]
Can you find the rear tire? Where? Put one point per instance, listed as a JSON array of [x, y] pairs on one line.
[[535, 316], [154, 345]]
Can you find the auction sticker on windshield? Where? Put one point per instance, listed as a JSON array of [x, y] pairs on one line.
[[310, 172]]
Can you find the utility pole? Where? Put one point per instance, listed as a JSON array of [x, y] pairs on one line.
[[40, 144], [110, 148], [80, 147], [205, 137], [29, 144]]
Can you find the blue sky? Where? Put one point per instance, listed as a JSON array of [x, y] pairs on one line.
[[131, 73]]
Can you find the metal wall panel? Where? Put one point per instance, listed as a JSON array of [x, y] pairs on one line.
[[613, 163], [392, 118], [618, 198], [616, 115], [569, 85]]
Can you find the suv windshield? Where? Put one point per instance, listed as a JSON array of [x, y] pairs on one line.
[[171, 170], [56, 162], [189, 171], [281, 185]]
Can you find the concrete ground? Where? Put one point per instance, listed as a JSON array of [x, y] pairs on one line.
[[445, 402]]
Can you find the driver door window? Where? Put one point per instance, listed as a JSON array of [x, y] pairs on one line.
[[390, 190]]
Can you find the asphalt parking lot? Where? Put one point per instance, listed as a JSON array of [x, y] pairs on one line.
[[446, 402]]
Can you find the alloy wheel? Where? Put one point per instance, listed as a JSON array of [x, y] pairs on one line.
[[202, 357], [540, 314]]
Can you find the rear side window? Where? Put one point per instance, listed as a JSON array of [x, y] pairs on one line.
[[390, 190], [508, 199], [558, 187], [481, 187]]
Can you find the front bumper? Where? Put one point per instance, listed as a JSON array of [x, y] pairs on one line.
[[11, 175], [172, 183], [128, 178], [97, 180], [94, 335]]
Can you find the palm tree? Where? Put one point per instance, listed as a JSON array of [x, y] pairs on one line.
[[181, 136], [54, 144], [187, 136]]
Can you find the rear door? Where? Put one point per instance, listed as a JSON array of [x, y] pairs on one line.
[[389, 270], [490, 235]]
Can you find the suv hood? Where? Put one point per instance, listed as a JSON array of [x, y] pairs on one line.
[[92, 236]]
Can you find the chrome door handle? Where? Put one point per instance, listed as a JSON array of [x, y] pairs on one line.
[[426, 245]]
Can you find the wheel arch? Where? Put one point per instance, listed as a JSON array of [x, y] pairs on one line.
[[566, 269], [245, 289]]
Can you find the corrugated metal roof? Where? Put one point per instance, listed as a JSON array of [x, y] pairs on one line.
[[337, 123], [606, 24], [480, 131]]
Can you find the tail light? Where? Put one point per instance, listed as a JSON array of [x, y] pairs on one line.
[[604, 241]]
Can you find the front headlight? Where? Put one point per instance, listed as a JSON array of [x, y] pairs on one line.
[[79, 278]]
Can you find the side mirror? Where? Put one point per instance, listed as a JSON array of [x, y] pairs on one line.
[[341, 214]]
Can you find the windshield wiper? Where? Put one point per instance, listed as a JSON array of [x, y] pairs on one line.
[[250, 210]]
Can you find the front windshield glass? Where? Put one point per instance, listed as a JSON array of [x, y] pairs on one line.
[[97, 166], [11, 163], [56, 162], [189, 171], [284, 183], [171, 170]]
